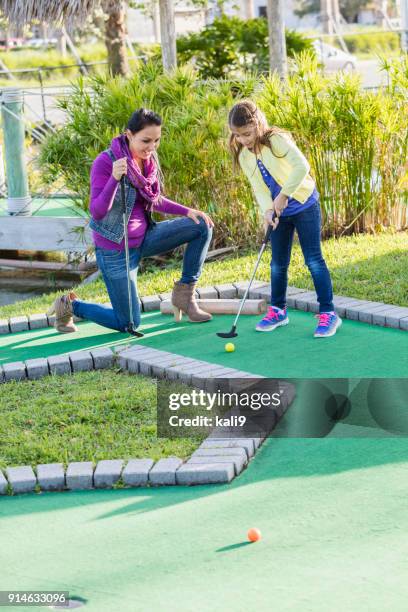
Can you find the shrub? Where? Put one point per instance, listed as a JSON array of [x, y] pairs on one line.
[[229, 45], [356, 141], [193, 152], [368, 43], [372, 42]]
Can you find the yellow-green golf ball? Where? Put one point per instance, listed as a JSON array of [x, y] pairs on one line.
[[230, 347]]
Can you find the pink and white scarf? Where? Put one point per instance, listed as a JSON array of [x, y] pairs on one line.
[[148, 186]]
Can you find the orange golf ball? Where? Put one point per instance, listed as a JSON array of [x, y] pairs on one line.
[[254, 534]]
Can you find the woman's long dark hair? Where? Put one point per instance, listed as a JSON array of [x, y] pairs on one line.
[[140, 119]]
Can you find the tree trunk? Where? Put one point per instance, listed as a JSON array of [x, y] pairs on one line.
[[168, 35], [404, 25], [277, 42], [220, 8], [249, 9], [156, 19], [326, 16], [336, 12], [115, 37]]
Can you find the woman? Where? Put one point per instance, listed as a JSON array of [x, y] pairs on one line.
[[286, 193], [133, 155]]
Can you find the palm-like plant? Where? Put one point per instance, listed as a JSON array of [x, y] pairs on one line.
[[65, 11], [50, 11]]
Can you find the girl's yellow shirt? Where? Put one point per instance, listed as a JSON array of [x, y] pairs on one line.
[[291, 171]]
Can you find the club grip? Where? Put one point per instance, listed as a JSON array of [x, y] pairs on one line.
[[269, 231], [123, 193]]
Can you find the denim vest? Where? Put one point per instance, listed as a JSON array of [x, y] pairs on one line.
[[111, 226]]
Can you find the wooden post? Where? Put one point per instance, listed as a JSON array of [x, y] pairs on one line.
[[18, 200], [168, 35], [74, 52], [3, 190], [130, 46], [9, 74], [62, 43], [277, 41]]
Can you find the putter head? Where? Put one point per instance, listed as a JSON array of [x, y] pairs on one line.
[[230, 334], [134, 332]]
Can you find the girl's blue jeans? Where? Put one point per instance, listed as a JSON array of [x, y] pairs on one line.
[[308, 226], [159, 238]]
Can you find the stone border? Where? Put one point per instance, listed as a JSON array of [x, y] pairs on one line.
[[215, 461], [375, 313]]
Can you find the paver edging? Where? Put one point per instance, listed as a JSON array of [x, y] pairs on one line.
[[186, 473], [213, 462], [300, 299]]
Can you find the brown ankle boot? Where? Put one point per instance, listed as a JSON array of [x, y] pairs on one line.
[[183, 300], [62, 308]]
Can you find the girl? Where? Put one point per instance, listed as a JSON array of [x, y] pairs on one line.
[[287, 195], [133, 155]]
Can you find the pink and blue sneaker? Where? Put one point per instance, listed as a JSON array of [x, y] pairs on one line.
[[328, 324], [275, 317]]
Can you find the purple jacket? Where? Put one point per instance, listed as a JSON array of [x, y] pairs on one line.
[[103, 190]]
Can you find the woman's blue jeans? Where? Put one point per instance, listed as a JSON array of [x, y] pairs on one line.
[[308, 225], [159, 238]]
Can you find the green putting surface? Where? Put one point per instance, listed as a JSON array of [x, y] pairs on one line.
[[331, 512], [357, 350], [50, 207]]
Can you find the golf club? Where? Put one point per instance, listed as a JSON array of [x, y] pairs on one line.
[[131, 326], [233, 333]]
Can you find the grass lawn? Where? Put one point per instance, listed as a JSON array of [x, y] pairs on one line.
[[89, 416], [55, 81], [375, 53], [372, 267]]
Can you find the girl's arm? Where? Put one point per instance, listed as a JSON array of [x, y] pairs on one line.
[[103, 187], [284, 146]]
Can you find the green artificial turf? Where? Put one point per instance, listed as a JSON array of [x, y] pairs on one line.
[[331, 513], [357, 350], [50, 207], [331, 510]]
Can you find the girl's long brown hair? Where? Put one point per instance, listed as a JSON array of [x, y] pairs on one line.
[[245, 113]]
